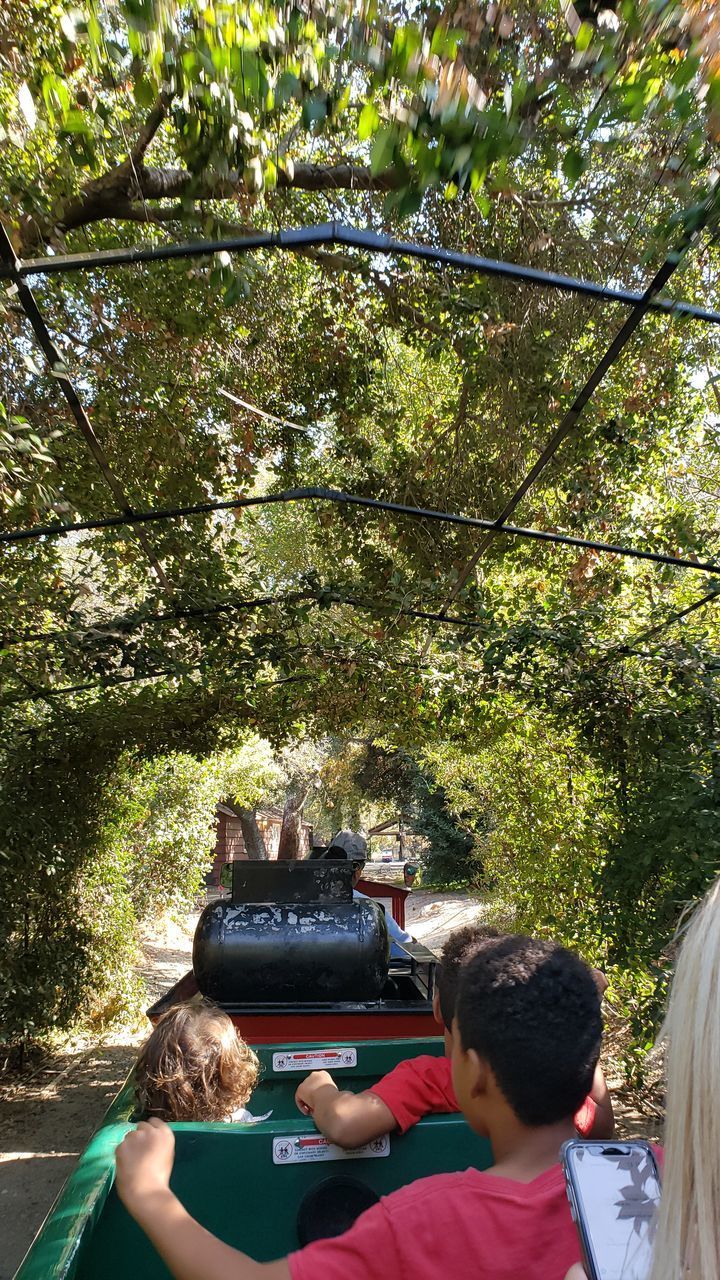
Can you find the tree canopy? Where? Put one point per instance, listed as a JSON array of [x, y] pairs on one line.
[[557, 707]]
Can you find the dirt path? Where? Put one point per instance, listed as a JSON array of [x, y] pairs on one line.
[[430, 917]]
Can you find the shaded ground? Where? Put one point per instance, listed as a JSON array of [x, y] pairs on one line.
[[43, 1127], [47, 1117]]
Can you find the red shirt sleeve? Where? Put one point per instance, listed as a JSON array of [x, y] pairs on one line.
[[423, 1086], [585, 1117], [368, 1251], [417, 1087]]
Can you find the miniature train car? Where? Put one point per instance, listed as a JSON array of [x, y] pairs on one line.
[[304, 971]]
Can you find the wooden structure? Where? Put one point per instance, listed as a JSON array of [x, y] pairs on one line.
[[393, 830], [397, 834], [230, 844]]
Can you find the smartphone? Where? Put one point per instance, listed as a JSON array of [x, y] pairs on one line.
[[614, 1193]]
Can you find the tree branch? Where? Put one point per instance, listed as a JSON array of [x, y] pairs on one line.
[[117, 193], [128, 211], [150, 128]]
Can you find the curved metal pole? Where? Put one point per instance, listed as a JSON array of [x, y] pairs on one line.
[[355, 500], [355, 238]]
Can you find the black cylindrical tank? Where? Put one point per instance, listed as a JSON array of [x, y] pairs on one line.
[[259, 952]]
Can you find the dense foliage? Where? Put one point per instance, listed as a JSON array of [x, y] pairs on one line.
[[550, 720], [411, 791]]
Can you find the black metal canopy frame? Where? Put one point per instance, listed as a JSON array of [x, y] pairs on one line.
[[17, 271], [336, 496]]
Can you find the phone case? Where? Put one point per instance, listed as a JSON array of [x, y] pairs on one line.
[[569, 1171]]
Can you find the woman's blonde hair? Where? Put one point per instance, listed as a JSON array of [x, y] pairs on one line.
[[688, 1238], [194, 1066]]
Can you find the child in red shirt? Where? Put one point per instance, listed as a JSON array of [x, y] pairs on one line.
[[525, 1042], [423, 1086]]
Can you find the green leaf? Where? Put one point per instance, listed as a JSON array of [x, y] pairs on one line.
[[314, 109], [583, 39], [234, 292], [76, 122], [94, 31], [144, 92], [368, 122], [573, 164], [286, 88], [383, 150], [49, 82], [410, 202]]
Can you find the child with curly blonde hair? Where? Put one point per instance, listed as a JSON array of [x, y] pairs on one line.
[[195, 1066]]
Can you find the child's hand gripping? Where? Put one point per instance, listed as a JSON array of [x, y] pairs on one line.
[[143, 1164], [306, 1091]]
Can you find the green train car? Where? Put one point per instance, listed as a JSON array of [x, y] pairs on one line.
[[247, 1183]]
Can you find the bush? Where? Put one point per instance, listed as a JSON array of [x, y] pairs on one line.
[[97, 835], [604, 822]]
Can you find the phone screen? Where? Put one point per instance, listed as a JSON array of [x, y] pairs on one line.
[[616, 1191]]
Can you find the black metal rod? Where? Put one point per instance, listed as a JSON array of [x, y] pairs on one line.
[[520, 274], [374, 242], [47, 694], [118, 628], [299, 238], [372, 504], [651, 632]]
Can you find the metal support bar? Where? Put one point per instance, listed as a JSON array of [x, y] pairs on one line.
[[372, 504], [62, 377], [649, 634], [110, 683], [351, 237]]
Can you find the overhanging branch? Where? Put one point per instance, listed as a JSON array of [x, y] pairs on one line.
[[120, 193], [150, 128]]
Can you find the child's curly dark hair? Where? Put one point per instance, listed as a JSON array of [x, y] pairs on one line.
[[194, 1066], [531, 1009], [458, 949]]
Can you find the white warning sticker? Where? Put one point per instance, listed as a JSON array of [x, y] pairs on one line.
[[312, 1147], [315, 1060]]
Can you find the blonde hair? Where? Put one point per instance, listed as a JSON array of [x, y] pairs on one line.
[[688, 1240], [194, 1066]]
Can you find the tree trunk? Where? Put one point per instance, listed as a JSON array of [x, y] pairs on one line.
[[252, 835], [290, 832]]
